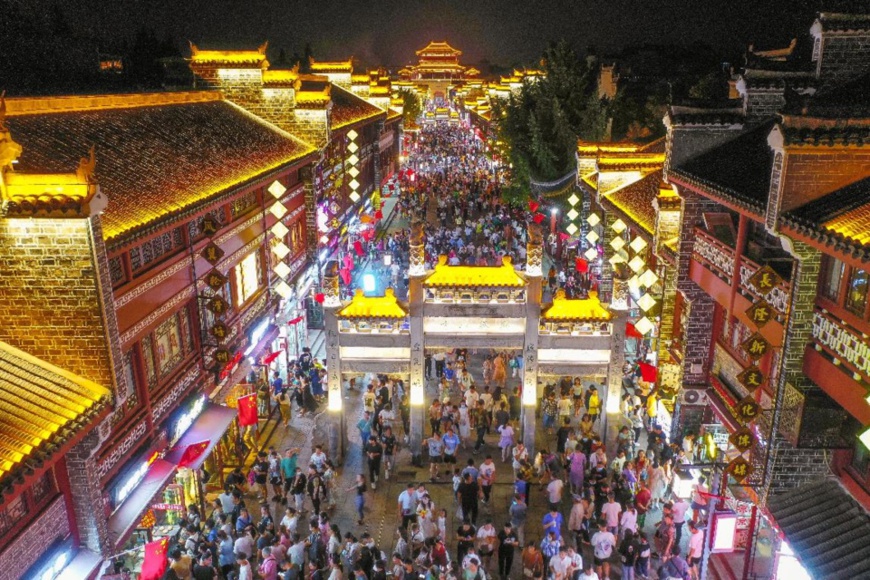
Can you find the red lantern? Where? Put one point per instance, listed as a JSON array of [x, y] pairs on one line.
[[319, 297], [581, 265]]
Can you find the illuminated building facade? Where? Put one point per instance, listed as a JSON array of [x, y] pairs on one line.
[[771, 313], [751, 216], [357, 134], [438, 69], [464, 307], [138, 242]]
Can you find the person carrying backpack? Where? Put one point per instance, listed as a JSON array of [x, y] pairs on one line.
[[676, 568]]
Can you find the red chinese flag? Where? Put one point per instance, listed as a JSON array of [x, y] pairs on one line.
[[248, 410], [319, 297], [270, 358], [538, 218], [155, 561], [357, 247], [533, 206], [379, 215], [631, 331], [648, 372], [581, 265], [294, 321], [192, 453]]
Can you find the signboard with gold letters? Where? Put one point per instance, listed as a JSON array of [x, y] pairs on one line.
[[765, 280], [739, 469], [755, 347], [751, 378], [742, 439]]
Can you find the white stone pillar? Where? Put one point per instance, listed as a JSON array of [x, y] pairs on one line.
[[335, 426], [416, 275], [534, 274]]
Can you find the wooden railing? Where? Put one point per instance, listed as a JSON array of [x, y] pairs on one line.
[[715, 255]]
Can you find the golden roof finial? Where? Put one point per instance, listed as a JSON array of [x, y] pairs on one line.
[[193, 48], [262, 48], [85, 170], [3, 112]]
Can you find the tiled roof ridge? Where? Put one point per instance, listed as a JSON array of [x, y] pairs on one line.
[[18, 106], [310, 148], [716, 190], [844, 21]]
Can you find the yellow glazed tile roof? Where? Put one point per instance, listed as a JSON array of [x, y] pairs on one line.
[[41, 408], [156, 155], [362, 306], [575, 309], [503, 276]]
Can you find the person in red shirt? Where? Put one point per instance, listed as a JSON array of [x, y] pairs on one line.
[[642, 501]]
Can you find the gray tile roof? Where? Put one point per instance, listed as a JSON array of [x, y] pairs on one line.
[[827, 529]]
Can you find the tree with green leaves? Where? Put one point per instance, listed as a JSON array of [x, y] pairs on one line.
[[411, 107], [540, 124]]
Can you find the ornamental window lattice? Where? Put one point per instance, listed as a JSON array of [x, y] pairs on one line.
[[13, 513], [116, 271], [43, 487], [155, 249], [242, 205]]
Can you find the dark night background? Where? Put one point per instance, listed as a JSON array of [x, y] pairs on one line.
[[387, 32]]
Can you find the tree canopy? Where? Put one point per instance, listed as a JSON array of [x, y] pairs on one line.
[[541, 123]]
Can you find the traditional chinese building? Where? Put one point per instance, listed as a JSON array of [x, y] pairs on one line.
[[438, 69], [145, 240], [628, 223], [359, 140], [771, 313], [464, 307]]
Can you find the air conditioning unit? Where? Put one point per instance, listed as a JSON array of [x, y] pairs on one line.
[[693, 397]]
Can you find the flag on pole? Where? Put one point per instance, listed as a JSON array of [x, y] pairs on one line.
[[538, 218], [270, 358], [192, 453], [533, 206], [154, 564], [648, 372], [248, 410]]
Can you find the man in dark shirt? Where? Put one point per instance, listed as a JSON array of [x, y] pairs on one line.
[[374, 450], [468, 494], [507, 542], [464, 539], [502, 416], [389, 442]]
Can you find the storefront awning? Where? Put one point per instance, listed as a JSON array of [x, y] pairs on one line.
[[124, 520], [826, 528], [209, 427]]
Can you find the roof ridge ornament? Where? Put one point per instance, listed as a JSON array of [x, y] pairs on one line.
[[87, 165]]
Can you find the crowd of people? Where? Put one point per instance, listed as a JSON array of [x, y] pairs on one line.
[[596, 499]]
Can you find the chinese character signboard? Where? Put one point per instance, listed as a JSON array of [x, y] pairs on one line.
[[208, 226], [742, 439], [212, 253], [760, 313], [765, 280], [219, 331], [739, 469], [751, 378], [222, 356], [755, 347], [215, 280], [747, 409]]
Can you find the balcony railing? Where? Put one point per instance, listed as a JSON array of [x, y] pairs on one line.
[[717, 256], [778, 297]]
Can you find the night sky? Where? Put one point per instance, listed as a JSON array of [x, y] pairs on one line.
[[504, 32]]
